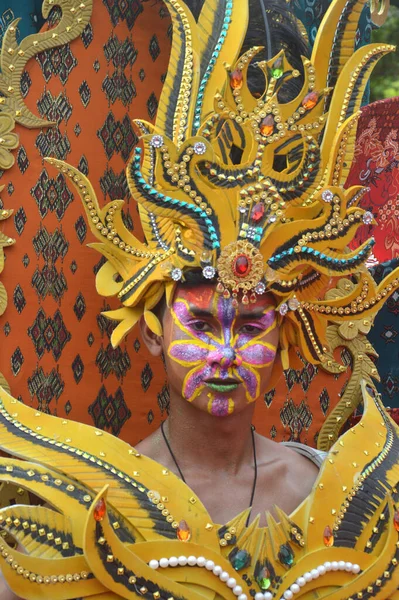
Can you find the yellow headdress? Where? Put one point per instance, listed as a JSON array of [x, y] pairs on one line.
[[249, 226]]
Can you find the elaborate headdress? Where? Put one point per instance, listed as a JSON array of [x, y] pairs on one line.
[[248, 189]]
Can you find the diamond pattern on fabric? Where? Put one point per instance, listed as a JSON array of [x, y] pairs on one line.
[[78, 368], [17, 361], [49, 334], [20, 220], [19, 299], [58, 62], [114, 185], [296, 418], [51, 195], [45, 387], [85, 93], [109, 412], [112, 360], [117, 136], [146, 377], [22, 160], [79, 308], [124, 10]]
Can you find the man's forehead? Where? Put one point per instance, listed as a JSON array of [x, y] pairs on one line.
[[205, 298]]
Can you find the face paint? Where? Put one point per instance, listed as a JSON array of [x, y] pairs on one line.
[[220, 348]]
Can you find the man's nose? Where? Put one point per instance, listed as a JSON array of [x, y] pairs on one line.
[[225, 357]]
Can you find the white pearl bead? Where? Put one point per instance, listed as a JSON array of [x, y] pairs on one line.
[[237, 590], [321, 569], [327, 566], [259, 596], [268, 596], [301, 581], [348, 567], [314, 573], [242, 597], [164, 563], [192, 561], [224, 576], [201, 561], [182, 560], [231, 582], [308, 577], [334, 566], [355, 569], [173, 562], [341, 565], [209, 565], [295, 588], [154, 564], [217, 569], [288, 595]]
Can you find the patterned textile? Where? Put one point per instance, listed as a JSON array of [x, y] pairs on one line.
[[376, 166], [55, 349], [385, 338]]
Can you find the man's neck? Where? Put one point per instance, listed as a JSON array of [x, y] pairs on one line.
[[200, 439]]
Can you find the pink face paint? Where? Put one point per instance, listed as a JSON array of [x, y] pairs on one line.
[[224, 350]]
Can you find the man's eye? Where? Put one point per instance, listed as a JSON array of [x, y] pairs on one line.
[[200, 326], [251, 329]]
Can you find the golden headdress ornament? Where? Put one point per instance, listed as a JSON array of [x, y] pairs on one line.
[[249, 225]]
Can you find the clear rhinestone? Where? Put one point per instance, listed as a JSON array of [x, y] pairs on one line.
[[283, 309], [156, 141], [293, 303], [199, 148], [242, 210], [260, 288], [327, 196], [176, 274], [368, 217], [272, 219], [209, 272]]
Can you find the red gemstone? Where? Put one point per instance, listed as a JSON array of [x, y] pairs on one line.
[[310, 100], [258, 211], [236, 80], [241, 265], [396, 520], [99, 510]]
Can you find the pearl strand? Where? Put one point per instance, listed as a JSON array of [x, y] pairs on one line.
[[224, 576], [201, 561], [315, 574]]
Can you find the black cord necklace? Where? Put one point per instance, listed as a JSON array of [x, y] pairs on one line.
[[255, 464]]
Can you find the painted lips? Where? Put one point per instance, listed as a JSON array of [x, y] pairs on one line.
[[222, 386]]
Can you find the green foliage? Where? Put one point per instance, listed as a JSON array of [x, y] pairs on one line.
[[385, 78]]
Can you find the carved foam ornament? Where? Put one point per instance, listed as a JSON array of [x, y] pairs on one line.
[[247, 224]]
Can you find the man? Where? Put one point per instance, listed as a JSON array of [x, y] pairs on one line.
[[244, 189]]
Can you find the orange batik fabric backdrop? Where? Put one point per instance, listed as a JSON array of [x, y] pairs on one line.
[[55, 350]]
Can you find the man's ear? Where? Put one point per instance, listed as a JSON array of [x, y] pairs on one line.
[[151, 339]]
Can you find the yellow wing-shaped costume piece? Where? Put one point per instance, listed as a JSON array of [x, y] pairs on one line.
[[119, 525]]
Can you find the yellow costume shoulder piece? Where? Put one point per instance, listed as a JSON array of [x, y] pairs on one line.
[[120, 525]]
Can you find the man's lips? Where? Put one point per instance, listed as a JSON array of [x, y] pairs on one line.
[[222, 385]]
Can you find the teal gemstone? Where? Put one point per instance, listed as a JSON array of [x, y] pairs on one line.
[[240, 560], [263, 579], [286, 555]]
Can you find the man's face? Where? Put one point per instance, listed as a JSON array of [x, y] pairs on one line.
[[219, 357]]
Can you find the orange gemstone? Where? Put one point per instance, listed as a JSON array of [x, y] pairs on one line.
[[328, 537], [99, 510], [258, 211], [396, 520], [267, 125], [183, 532], [310, 100], [236, 80]]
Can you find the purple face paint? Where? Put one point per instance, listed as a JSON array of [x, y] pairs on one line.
[[223, 345]]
